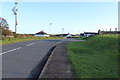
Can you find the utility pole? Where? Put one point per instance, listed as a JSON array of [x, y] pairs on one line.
[[15, 9]]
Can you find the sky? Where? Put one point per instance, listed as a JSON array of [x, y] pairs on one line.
[[74, 17]]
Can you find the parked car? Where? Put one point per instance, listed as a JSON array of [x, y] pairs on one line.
[[69, 36]]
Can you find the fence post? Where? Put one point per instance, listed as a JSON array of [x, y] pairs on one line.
[[110, 31], [115, 31], [106, 31]]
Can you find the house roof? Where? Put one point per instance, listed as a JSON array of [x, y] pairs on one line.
[[90, 33], [41, 32]]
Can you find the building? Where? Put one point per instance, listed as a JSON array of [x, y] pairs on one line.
[[63, 35], [82, 35], [88, 34], [41, 34], [110, 32]]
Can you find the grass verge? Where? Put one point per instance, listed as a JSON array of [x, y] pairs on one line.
[[15, 40], [81, 38], [97, 57]]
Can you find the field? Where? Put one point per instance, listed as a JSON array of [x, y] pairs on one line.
[[15, 40], [97, 57]]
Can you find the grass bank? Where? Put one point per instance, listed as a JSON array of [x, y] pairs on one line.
[[15, 40], [97, 57]]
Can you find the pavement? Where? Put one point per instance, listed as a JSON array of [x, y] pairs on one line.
[[58, 65]]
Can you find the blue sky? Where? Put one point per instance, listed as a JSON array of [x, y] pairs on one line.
[[74, 17]]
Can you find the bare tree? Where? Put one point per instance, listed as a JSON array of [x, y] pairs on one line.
[[3, 23], [4, 28]]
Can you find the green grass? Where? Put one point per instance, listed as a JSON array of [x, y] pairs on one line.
[[97, 57], [75, 36], [15, 40], [81, 38]]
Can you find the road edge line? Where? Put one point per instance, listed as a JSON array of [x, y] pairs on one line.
[[38, 70]]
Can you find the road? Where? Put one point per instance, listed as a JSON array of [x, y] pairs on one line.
[[19, 60]]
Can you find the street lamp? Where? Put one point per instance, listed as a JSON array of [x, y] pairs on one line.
[[49, 27], [15, 9]]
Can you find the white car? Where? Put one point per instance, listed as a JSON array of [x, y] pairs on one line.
[[69, 36]]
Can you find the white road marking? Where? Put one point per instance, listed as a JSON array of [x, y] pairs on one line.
[[30, 44], [10, 50]]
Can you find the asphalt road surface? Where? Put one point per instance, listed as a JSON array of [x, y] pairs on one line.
[[19, 59]]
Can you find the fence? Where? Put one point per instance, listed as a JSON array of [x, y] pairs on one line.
[[109, 32]]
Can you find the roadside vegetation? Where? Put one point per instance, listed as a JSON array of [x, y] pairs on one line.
[[75, 36], [15, 40], [97, 57], [7, 36], [81, 38]]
